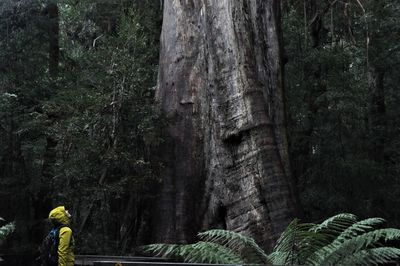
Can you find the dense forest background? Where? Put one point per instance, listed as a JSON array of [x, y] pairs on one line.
[[79, 125]]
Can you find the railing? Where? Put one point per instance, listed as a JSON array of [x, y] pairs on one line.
[[100, 263], [96, 260], [91, 259]]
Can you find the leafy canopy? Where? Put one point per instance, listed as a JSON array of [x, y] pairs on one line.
[[6, 230]]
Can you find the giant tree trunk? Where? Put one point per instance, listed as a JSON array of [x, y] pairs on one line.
[[220, 88]]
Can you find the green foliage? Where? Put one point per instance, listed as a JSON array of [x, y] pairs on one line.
[[339, 240], [204, 252], [290, 243], [336, 241], [6, 230], [217, 246], [330, 110], [106, 122], [245, 246], [83, 138]]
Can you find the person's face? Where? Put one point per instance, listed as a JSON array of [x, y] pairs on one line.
[[68, 214]]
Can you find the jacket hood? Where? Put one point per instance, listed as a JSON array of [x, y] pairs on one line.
[[58, 216]]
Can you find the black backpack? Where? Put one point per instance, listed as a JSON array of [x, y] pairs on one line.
[[49, 248]]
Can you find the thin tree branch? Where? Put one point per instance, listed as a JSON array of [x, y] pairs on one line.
[[323, 12]]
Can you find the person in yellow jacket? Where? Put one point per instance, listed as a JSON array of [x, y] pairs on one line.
[[60, 218]]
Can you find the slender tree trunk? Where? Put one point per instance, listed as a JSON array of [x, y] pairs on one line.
[[107, 15], [377, 113], [220, 88], [315, 12], [54, 47]]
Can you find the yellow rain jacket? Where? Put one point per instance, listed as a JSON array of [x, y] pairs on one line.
[[66, 245]]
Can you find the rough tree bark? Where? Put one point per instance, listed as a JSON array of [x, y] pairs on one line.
[[220, 88]]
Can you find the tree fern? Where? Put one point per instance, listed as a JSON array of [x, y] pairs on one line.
[[339, 240], [217, 246]]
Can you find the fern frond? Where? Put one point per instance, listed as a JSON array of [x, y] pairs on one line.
[[243, 245], [373, 256], [357, 229], [335, 224], [200, 252], [333, 253], [163, 250], [282, 257], [294, 232], [7, 229], [290, 242], [206, 252], [311, 244]]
